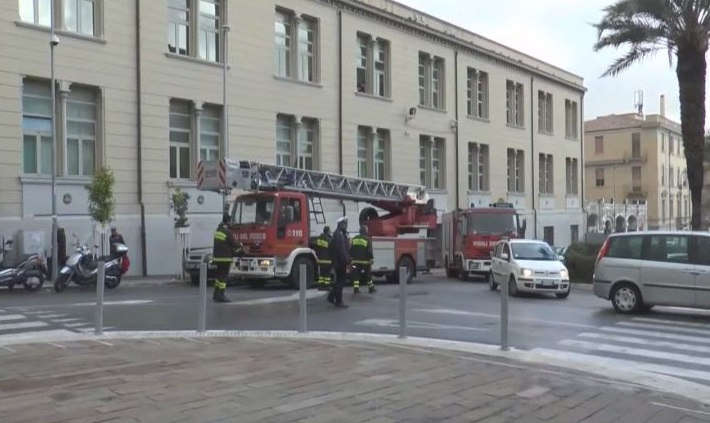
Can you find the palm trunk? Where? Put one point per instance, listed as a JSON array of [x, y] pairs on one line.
[[691, 70]]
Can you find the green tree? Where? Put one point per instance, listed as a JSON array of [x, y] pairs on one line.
[[101, 202], [682, 27]]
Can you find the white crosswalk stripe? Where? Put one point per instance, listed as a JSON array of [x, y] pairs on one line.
[[669, 347], [49, 322]]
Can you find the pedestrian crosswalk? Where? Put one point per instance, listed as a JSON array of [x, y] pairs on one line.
[[668, 347], [40, 322]]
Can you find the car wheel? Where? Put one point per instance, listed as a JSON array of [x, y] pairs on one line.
[[626, 298], [563, 295], [491, 282], [512, 287]]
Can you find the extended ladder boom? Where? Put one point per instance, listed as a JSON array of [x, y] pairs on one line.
[[224, 175]]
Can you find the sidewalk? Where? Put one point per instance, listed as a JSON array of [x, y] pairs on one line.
[[271, 379]]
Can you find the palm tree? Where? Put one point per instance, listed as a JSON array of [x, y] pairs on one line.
[[682, 27]]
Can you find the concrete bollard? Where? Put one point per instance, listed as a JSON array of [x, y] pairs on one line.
[[403, 275], [100, 285], [202, 300], [302, 285]]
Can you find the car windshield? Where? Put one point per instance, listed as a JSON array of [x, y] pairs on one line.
[[492, 223], [532, 251], [251, 210]]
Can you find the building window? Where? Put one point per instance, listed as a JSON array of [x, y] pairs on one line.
[[574, 233], [431, 162], [78, 16], [571, 176], [548, 235], [210, 125], [670, 144], [663, 175], [636, 145], [477, 93], [599, 177], [36, 128], [515, 104], [372, 66], [296, 142], [636, 178], [373, 153], [663, 142], [571, 119], [478, 167], [599, 145], [81, 132], [431, 81], [663, 211], [38, 12], [671, 177], [516, 169], [296, 46], [544, 112], [546, 173], [180, 139], [195, 22]]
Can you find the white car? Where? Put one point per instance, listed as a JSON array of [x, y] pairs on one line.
[[528, 266]]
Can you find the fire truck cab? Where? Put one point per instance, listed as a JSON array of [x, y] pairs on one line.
[[470, 235], [274, 218]]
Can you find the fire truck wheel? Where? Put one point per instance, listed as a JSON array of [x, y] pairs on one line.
[[295, 270], [450, 272]]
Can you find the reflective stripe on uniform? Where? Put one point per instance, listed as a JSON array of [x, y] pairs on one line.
[[222, 259], [220, 236], [322, 243], [220, 285], [325, 262], [361, 262], [360, 242]]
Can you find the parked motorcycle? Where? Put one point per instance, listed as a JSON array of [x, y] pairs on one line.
[[28, 270], [82, 267]]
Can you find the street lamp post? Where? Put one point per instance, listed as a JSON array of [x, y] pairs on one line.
[[225, 108], [53, 42]]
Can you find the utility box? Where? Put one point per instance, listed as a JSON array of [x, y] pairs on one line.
[[32, 242]]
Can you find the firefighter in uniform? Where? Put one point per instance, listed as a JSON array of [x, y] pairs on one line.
[[325, 264], [224, 249], [362, 258]]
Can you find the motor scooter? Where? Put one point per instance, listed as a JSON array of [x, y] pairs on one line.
[[82, 267], [27, 269]]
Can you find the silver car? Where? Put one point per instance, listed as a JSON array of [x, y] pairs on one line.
[[638, 270]]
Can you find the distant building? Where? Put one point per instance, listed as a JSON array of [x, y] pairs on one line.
[[634, 159]]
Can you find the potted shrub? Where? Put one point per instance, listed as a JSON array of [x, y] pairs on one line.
[[102, 205], [179, 206]]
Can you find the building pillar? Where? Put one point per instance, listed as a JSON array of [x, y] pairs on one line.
[[198, 131]]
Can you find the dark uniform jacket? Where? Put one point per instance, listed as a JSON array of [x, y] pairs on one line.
[[362, 249], [340, 249], [322, 248], [225, 245]]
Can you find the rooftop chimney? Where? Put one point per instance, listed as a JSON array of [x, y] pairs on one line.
[[663, 105]]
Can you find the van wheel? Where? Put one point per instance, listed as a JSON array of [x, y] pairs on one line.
[[491, 282], [626, 298]]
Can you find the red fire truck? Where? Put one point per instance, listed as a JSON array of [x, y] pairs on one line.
[[273, 220], [470, 235]]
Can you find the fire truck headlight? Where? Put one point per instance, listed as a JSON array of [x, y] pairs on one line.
[[564, 274], [526, 273], [264, 263]]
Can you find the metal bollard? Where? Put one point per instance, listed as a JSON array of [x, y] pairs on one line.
[[303, 284], [202, 301], [100, 282], [503, 316], [403, 274]]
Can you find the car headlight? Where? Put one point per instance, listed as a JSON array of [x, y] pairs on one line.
[[564, 274], [526, 273], [265, 263]]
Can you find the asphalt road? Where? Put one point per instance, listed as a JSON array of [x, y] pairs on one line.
[[582, 327]]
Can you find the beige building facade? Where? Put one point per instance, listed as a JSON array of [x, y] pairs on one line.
[[631, 158], [358, 87]]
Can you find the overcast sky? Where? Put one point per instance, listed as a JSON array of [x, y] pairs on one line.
[[559, 32]]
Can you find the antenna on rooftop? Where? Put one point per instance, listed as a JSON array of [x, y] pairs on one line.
[[638, 102]]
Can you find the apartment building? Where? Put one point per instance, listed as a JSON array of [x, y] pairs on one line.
[[631, 158], [361, 87]]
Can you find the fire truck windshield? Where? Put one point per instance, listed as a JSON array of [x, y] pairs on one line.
[[493, 223], [250, 210]]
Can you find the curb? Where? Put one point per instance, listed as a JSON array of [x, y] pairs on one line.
[[603, 367]]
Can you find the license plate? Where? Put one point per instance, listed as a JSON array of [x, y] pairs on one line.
[[473, 266], [546, 282]]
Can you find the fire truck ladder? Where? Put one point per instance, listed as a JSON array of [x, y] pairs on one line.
[[317, 210], [323, 184]]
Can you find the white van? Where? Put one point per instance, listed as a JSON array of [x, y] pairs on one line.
[[637, 270]]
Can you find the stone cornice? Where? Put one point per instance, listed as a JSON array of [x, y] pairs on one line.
[[366, 11]]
